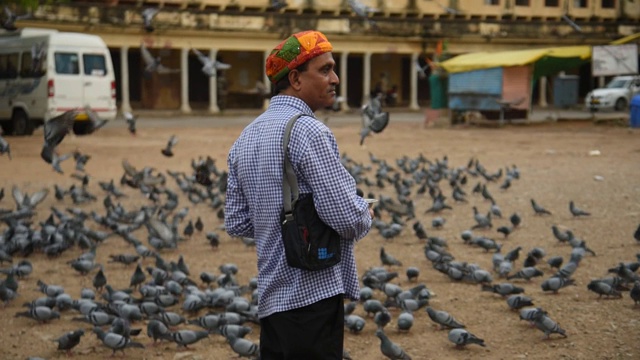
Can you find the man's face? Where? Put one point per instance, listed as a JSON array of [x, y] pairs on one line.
[[318, 83]]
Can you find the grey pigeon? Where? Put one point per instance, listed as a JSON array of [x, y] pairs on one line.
[[41, 314], [635, 293], [462, 337], [390, 349], [147, 16], [168, 150], [153, 65], [387, 259], [186, 337], [602, 288], [503, 289], [405, 321], [382, 318], [4, 147], [444, 319], [354, 323], [556, 283], [137, 278], [412, 273], [69, 340], [157, 330], [243, 347], [576, 212], [131, 122], [54, 132], [210, 66], [517, 302], [115, 342], [545, 324], [539, 210], [526, 273], [10, 19], [94, 122]]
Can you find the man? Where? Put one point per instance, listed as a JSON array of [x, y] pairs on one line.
[[301, 312]]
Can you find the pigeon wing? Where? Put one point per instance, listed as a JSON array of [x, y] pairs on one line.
[[146, 55]]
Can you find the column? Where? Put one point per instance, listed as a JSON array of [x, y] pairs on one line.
[[124, 79], [184, 80], [366, 78], [601, 82], [413, 84], [344, 56], [265, 79], [213, 86], [542, 88]]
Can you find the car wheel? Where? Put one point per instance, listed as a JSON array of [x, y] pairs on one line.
[[621, 104], [21, 123]]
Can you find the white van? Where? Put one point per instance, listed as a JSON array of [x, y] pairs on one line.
[[44, 73]]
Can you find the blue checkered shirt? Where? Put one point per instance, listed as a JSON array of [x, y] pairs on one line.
[[254, 202]]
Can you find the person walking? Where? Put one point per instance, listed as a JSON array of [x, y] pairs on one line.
[[301, 312]]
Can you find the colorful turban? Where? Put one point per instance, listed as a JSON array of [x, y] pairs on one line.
[[295, 51]]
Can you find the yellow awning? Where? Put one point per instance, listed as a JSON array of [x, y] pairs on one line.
[[486, 60]]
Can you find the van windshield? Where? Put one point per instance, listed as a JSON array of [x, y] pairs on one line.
[[67, 63], [94, 64]]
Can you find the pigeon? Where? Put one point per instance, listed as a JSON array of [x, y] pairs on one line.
[[517, 302], [38, 54], [515, 220], [137, 278], [539, 210], [405, 321], [186, 337], [277, 5], [555, 261], [382, 318], [131, 121], [635, 293], [168, 150], [95, 122], [503, 289], [602, 288], [152, 64], [462, 337], [11, 18], [526, 273], [363, 11], [576, 212], [114, 341], [54, 132], [41, 314], [147, 16], [69, 340], [99, 280], [571, 23], [444, 319], [4, 147], [156, 330], [387, 259], [210, 66], [556, 283], [636, 235], [354, 323], [545, 324], [243, 347], [412, 273], [390, 349]]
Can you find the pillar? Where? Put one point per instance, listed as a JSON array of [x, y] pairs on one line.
[[366, 78], [213, 86], [413, 84], [344, 57], [124, 79], [184, 80], [542, 88]]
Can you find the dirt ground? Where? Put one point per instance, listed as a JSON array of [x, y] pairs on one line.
[[555, 165]]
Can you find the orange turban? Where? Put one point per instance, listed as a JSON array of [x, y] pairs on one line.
[[294, 51]]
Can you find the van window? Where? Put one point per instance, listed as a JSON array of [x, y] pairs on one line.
[[9, 66], [94, 64], [29, 68], [67, 63]]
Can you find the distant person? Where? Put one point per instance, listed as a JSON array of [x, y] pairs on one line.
[[301, 312]]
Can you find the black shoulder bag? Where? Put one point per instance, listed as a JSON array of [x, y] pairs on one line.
[[309, 243]]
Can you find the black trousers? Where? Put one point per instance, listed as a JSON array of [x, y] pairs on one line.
[[313, 332]]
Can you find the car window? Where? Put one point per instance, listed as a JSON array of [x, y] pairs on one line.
[[9, 66], [94, 64], [67, 63], [617, 84]]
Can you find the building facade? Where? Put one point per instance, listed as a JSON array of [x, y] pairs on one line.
[[377, 50]]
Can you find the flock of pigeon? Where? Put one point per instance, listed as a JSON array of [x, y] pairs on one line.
[[163, 294]]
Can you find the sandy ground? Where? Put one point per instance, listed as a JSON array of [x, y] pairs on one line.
[[555, 168]]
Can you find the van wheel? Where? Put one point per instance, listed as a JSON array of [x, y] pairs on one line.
[[621, 104], [21, 123]]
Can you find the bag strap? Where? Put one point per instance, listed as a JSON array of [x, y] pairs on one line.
[[290, 182]]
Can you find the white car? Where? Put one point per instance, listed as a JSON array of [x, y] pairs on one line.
[[616, 95]]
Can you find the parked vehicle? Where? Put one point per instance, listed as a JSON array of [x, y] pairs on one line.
[[616, 95], [44, 73]]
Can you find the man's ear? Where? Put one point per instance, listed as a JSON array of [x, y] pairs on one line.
[[294, 79]]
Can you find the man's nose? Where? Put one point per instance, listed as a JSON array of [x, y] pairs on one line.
[[334, 78]]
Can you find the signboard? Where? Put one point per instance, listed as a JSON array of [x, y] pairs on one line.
[[610, 60]]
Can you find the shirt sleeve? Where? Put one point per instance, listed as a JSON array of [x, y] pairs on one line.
[[237, 219], [334, 189]]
